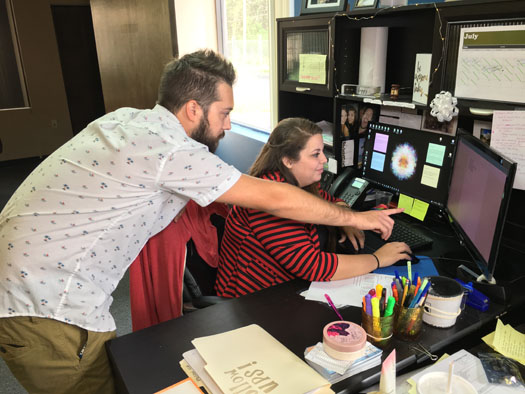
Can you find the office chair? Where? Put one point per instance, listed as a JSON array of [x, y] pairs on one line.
[[199, 276]]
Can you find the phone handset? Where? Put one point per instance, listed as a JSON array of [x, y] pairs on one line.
[[347, 187], [343, 178]]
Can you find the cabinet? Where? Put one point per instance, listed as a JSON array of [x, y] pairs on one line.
[[423, 28]]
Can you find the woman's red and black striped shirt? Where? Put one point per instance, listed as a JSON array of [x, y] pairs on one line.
[[260, 250]]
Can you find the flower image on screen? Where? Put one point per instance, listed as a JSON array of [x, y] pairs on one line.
[[404, 161]]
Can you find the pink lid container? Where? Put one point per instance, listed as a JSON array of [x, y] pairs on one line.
[[344, 340]]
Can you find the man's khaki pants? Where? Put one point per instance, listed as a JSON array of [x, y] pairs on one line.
[[48, 356]]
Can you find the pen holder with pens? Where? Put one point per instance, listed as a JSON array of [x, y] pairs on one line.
[[378, 329], [408, 322]]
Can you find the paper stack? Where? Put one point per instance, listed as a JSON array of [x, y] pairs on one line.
[[249, 359], [336, 370]]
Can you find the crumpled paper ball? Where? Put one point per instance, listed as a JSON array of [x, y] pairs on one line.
[[443, 107]]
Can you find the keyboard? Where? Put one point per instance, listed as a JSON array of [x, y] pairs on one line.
[[401, 232]]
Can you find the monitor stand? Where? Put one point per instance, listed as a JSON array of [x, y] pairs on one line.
[[495, 292]]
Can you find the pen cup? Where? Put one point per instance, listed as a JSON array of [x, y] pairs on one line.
[[378, 329], [408, 322]]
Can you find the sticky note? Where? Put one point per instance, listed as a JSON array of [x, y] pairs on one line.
[[381, 142], [378, 161], [435, 154], [419, 209], [405, 202], [430, 176], [312, 68]]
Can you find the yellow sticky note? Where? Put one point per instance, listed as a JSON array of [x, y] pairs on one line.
[[312, 68], [430, 176], [509, 342], [419, 209], [405, 202]]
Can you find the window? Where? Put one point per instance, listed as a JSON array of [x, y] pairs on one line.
[[12, 86], [244, 38]]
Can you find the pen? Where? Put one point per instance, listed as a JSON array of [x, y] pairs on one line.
[[416, 278], [394, 291], [372, 292], [424, 294], [409, 268], [419, 291], [396, 274], [405, 290], [333, 306]]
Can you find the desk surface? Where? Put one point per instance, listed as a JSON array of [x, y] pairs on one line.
[[148, 360]]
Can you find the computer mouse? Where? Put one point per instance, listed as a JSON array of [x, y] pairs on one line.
[[403, 263]]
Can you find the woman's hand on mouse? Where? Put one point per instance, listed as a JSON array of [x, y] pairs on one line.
[[392, 252]]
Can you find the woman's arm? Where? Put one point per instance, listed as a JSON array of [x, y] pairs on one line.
[[360, 264]]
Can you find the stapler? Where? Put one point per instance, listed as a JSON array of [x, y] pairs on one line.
[[476, 299]]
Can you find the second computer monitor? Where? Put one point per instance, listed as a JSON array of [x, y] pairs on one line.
[[413, 162]]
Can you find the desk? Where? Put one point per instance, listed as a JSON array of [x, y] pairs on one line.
[[148, 360]]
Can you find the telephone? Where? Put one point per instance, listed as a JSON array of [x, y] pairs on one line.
[[348, 186]]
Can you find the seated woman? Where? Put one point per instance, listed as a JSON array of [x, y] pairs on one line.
[[260, 250]]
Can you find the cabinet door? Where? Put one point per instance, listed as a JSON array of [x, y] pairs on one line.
[[306, 55]]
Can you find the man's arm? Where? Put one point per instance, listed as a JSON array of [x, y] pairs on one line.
[[284, 200]]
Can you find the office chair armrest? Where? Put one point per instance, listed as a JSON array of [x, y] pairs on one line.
[[204, 301]]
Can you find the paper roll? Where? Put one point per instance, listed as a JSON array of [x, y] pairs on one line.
[[372, 60]]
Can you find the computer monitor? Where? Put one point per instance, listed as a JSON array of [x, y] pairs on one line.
[[413, 162], [478, 199]]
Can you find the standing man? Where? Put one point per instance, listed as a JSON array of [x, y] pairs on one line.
[[74, 226]]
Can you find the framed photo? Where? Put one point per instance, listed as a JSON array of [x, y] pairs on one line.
[[365, 4], [349, 120], [483, 130], [430, 123], [320, 6]]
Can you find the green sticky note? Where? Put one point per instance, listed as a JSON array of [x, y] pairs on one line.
[[419, 209], [435, 154], [405, 202]]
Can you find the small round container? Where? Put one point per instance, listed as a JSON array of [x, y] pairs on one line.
[[437, 382], [443, 303], [344, 340]]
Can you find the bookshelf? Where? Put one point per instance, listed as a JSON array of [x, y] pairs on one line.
[[419, 28]]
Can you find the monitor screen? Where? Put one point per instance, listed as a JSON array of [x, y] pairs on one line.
[[413, 162], [478, 198]]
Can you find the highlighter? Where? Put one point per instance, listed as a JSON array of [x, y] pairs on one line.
[[376, 316], [368, 304], [390, 306], [379, 290]]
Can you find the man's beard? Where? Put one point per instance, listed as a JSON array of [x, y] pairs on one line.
[[202, 134]]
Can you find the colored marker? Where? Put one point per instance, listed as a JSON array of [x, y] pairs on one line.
[[409, 268], [396, 274], [375, 314], [390, 306], [368, 304], [379, 289]]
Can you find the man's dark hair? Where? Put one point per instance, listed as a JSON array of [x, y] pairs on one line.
[[194, 76]]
